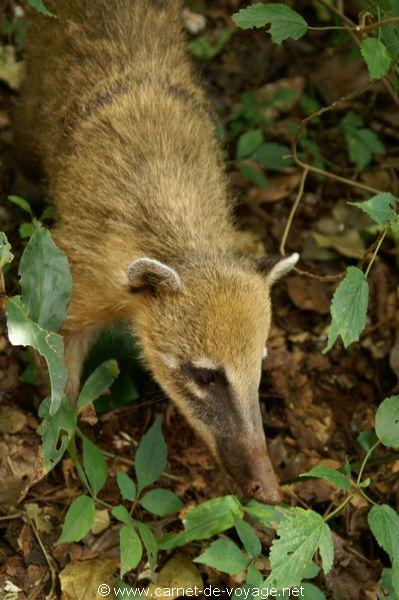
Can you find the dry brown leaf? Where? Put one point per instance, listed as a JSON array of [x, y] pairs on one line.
[[308, 294], [12, 420], [101, 521], [80, 580], [179, 573], [11, 71], [349, 243]]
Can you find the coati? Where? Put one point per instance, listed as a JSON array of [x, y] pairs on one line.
[[111, 112]]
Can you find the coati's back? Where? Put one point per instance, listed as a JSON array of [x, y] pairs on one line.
[[112, 112]]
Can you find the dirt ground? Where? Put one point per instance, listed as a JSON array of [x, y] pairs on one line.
[[314, 405]]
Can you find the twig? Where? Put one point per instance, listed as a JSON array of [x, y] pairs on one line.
[[48, 558], [293, 211], [372, 26]]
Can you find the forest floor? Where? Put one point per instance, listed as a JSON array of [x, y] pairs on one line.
[[314, 405]]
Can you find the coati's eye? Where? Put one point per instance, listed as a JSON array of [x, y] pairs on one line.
[[205, 377]]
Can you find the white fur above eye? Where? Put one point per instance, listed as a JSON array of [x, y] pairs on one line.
[[169, 361]]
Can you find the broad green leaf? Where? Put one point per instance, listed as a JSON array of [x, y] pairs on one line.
[[205, 49], [266, 515], [126, 486], [40, 7], [121, 513], [56, 431], [367, 439], [271, 156], [46, 281], [311, 592], [151, 456], [161, 502], [300, 536], [78, 520], [22, 331], [248, 142], [97, 383], [362, 144], [94, 465], [224, 556], [149, 542], [331, 475], [376, 57], [26, 230], [205, 520], [6, 255], [131, 548], [387, 586], [381, 207], [284, 22], [248, 537], [22, 203], [254, 577], [384, 524], [311, 571], [349, 308], [253, 174], [387, 422]]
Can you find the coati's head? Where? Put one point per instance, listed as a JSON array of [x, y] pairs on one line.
[[203, 330]]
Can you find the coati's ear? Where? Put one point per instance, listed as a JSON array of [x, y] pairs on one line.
[[152, 275], [275, 267]]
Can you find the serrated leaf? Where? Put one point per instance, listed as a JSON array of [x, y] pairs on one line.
[[22, 331], [384, 524], [284, 22], [40, 7], [126, 486], [387, 422], [21, 203], [6, 255], [151, 456], [376, 57], [272, 156], [349, 308], [161, 502], [121, 513], [56, 431], [300, 536], [248, 537], [381, 207], [248, 142], [46, 281], [224, 556], [252, 174], [94, 465], [131, 548], [78, 520], [97, 383], [205, 520], [331, 475], [149, 542]]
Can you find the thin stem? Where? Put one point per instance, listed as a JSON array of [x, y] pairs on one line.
[[372, 26], [293, 211], [369, 453], [327, 28], [339, 508], [378, 246], [363, 493]]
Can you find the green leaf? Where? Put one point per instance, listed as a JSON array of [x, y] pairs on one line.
[[387, 586], [349, 308], [149, 542], [367, 439], [6, 255], [46, 281], [39, 6], [254, 577], [205, 520], [266, 515], [376, 57], [151, 456], [381, 207], [97, 383], [22, 203], [331, 475], [78, 520], [56, 431], [131, 548], [161, 502], [311, 592], [362, 144], [126, 486], [248, 142], [248, 537], [224, 556], [272, 155], [121, 513], [24, 332], [300, 536], [205, 49], [26, 230], [284, 22], [94, 465], [253, 174], [387, 422], [384, 524]]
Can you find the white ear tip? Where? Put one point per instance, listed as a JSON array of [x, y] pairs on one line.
[[294, 258]]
